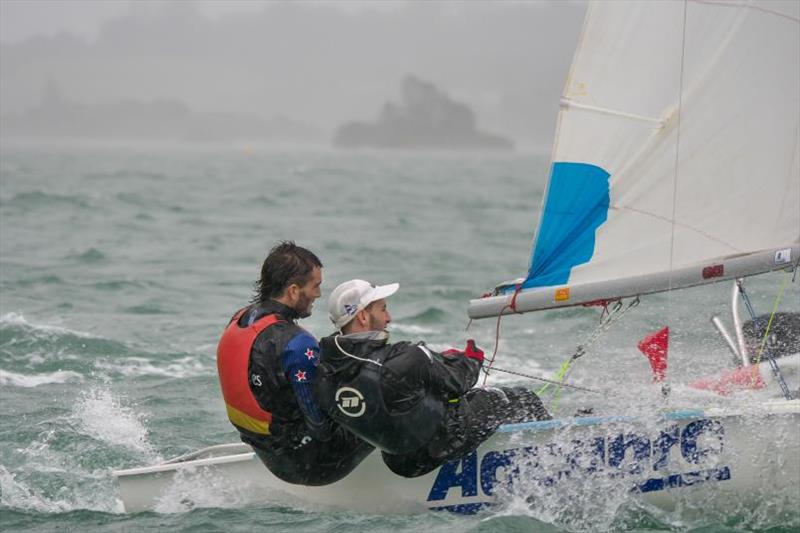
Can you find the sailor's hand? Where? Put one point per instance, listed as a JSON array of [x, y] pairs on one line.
[[473, 352]]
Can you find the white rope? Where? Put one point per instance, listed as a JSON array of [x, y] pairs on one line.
[[348, 354]]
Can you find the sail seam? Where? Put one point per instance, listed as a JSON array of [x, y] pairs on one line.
[[747, 6], [679, 224]]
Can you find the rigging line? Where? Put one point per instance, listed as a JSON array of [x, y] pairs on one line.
[[723, 3], [677, 158], [530, 376], [605, 324], [746, 298], [566, 367], [678, 120], [772, 363], [513, 306], [769, 323]]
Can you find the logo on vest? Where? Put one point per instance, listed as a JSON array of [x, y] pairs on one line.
[[255, 379], [350, 401]]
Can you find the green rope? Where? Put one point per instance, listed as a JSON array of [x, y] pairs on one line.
[[560, 378], [605, 323], [771, 316]]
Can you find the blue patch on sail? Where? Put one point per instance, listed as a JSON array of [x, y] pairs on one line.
[[577, 204]]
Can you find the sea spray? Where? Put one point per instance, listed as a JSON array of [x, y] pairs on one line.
[[102, 416]]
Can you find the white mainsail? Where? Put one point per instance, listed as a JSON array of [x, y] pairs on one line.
[[677, 155]]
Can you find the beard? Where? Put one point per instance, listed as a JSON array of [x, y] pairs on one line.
[[375, 324], [303, 306]]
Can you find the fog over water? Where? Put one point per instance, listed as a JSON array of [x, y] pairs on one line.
[[298, 70]]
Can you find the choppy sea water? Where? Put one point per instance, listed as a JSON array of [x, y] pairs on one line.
[[119, 267]]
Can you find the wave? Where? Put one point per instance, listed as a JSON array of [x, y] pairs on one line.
[[412, 329], [78, 354], [263, 200], [139, 366], [16, 494], [92, 255], [14, 379], [59, 472], [45, 279], [146, 309], [126, 175], [62, 470], [119, 285], [18, 320], [431, 314], [37, 199], [36, 343]]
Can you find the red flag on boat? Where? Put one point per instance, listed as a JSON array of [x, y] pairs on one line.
[[655, 347]]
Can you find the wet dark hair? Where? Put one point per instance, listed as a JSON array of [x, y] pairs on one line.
[[286, 264]]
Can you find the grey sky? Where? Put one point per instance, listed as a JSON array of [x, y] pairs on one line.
[[322, 63]]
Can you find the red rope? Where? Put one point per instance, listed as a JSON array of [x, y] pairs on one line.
[[601, 303], [513, 306]]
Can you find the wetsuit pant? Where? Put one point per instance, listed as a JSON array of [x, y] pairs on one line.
[[468, 423], [312, 462]]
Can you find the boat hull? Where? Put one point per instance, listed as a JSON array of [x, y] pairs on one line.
[[723, 458]]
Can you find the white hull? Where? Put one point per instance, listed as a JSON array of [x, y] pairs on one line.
[[726, 458]]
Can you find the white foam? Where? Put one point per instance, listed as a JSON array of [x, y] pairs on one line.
[[15, 494], [14, 379], [17, 319], [197, 488], [140, 366], [101, 416]]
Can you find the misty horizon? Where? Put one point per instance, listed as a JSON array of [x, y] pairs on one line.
[[312, 63]]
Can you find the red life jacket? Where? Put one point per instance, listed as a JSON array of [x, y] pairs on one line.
[[233, 356]]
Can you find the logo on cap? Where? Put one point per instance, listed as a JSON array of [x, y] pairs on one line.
[[350, 401], [350, 309]]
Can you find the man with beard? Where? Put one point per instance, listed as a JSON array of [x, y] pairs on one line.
[[267, 366], [418, 406]]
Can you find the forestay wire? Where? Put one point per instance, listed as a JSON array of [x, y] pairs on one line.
[[608, 318], [773, 364], [549, 381]]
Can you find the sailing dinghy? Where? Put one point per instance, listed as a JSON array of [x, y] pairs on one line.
[[675, 163]]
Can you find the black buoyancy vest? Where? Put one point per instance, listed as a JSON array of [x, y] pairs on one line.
[[357, 403]]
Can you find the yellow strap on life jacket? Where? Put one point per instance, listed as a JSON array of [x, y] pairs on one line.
[[245, 421]]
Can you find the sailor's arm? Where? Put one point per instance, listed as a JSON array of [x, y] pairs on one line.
[[299, 362], [453, 372]]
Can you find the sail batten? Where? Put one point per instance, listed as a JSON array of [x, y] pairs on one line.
[[616, 112], [676, 154]]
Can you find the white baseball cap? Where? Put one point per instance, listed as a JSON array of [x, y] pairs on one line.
[[352, 296]]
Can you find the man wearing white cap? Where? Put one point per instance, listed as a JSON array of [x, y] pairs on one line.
[[418, 406]]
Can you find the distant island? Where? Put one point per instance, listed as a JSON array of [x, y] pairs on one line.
[[426, 118], [58, 118]]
